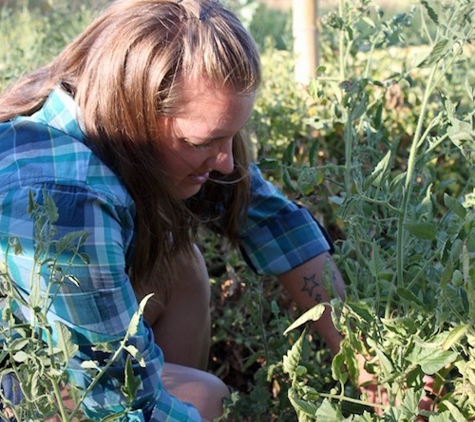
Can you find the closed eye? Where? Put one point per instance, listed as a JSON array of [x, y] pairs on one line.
[[203, 146]]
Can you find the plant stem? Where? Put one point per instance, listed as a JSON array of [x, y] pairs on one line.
[[59, 400], [341, 7], [351, 400], [410, 179]]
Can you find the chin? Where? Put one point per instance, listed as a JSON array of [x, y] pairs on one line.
[[188, 192]]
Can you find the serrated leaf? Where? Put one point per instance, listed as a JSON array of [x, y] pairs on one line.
[[65, 343], [435, 55], [312, 314], [384, 361], [132, 383], [337, 364], [50, 207], [430, 11], [377, 175], [136, 318], [462, 135], [71, 239], [292, 358]]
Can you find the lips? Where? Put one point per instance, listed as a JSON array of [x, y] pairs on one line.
[[198, 179]]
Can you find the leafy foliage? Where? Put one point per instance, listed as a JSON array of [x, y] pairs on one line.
[[36, 362], [380, 147]]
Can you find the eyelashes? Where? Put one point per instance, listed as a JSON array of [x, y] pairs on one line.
[[198, 147]]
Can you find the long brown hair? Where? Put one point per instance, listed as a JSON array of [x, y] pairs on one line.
[[124, 70]]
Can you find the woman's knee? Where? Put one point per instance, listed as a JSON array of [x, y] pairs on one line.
[[202, 389]]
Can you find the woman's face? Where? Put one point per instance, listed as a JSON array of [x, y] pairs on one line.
[[199, 138]]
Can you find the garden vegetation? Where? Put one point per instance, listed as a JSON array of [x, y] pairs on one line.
[[381, 148]]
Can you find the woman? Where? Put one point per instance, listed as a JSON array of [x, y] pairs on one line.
[[134, 130]]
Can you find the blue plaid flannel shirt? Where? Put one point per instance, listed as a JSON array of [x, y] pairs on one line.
[[46, 152]]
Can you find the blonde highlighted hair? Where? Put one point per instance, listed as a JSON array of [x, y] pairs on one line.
[[126, 69]]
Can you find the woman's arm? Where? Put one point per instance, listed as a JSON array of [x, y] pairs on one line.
[[306, 287]]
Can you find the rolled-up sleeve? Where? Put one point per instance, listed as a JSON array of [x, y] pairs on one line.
[[278, 235]]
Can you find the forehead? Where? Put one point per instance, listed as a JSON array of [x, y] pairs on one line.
[[208, 110]]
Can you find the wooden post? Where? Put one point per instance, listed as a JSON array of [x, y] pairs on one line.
[[304, 28]]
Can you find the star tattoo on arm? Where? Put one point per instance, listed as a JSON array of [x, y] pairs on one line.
[[310, 284]]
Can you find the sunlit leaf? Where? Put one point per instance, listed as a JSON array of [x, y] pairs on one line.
[[132, 382], [312, 314], [292, 358], [65, 343]]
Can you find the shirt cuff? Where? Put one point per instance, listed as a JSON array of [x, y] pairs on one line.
[[284, 243]]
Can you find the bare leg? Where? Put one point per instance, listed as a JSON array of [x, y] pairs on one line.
[[182, 330], [202, 389]]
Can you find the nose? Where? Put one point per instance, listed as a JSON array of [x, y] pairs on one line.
[[222, 159]]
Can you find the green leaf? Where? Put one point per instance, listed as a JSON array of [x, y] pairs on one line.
[[327, 412], [425, 231], [312, 154], [359, 110], [455, 335], [65, 343], [430, 11], [136, 318], [309, 178], [409, 296], [132, 383], [435, 55], [312, 314], [289, 154], [462, 135], [454, 206], [70, 239], [300, 405], [50, 207], [136, 354], [411, 402], [362, 310], [380, 171], [288, 181], [20, 356], [432, 359], [453, 412], [292, 358], [90, 364], [337, 365]]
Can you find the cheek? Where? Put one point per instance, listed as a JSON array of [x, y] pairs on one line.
[[182, 160]]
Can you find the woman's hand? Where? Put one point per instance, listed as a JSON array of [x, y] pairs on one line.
[[378, 397]]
